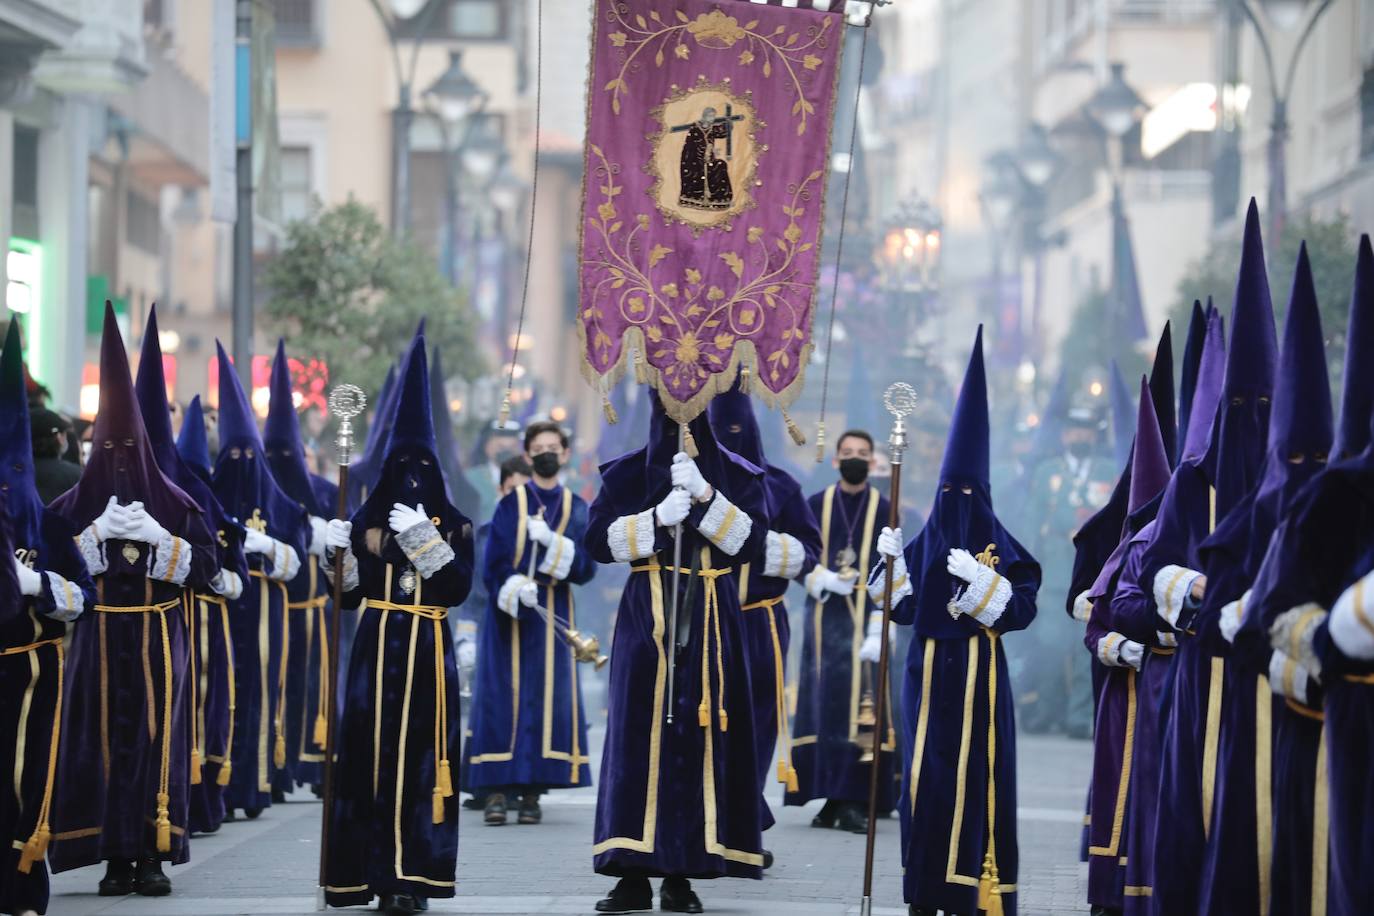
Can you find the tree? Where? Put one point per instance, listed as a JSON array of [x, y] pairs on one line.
[[1331, 250], [344, 291]]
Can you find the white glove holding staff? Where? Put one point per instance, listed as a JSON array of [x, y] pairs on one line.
[[890, 543], [539, 530], [338, 534], [687, 475], [529, 594], [674, 508]]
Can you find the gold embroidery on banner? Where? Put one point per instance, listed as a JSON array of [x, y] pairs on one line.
[[918, 750], [1127, 753], [1211, 740], [1264, 700]]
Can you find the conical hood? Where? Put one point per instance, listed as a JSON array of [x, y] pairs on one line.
[[1357, 386], [122, 462], [1300, 421], [281, 435], [1123, 414], [151, 388], [1150, 461], [1162, 391], [735, 426], [966, 452], [1207, 393], [193, 445], [1252, 354], [16, 447], [461, 492], [1187, 382], [238, 426], [414, 423]]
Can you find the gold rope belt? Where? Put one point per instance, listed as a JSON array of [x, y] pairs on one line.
[[765, 603], [1358, 678], [164, 822], [787, 773], [32, 647], [279, 717], [710, 626], [1170, 650], [1304, 711], [443, 777], [36, 847], [317, 604]]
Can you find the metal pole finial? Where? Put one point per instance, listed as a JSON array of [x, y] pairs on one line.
[[346, 402], [900, 401]]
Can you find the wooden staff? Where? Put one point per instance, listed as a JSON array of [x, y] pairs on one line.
[[900, 400], [677, 582], [345, 402]]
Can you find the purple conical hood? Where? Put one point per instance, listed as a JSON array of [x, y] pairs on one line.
[[1253, 352], [1357, 387], [17, 480], [1300, 420], [238, 426], [151, 388], [414, 422], [192, 443], [1162, 391], [1207, 392], [281, 435], [1187, 380], [1150, 461], [966, 451], [733, 408]]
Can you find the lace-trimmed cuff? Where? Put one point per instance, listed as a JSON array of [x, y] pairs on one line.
[[350, 568], [782, 556], [558, 558], [1352, 620], [631, 537], [66, 602], [725, 526], [901, 582], [1287, 678], [227, 584], [1082, 607], [1166, 640], [285, 562], [1292, 634], [92, 551], [170, 559], [426, 550], [1232, 615], [1172, 586], [986, 597], [508, 598]]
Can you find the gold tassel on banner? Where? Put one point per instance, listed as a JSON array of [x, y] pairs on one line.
[[744, 379], [164, 824], [820, 441], [437, 800], [224, 772], [279, 751], [689, 443], [608, 409], [503, 417], [793, 430], [195, 766], [321, 730]]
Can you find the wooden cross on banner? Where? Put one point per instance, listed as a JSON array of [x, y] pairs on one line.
[[728, 120]]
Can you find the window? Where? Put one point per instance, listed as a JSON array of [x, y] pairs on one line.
[[296, 26], [473, 20], [297, 190]]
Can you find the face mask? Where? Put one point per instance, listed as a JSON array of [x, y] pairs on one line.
[[854, 470], [545, 464], [1081, 449]]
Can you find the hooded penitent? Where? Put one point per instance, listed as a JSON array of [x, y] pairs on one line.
[[193, 445], [1357, 385], [281, 437], [118, 673], [958, 627], [409, 580], [25, 509], [1192, 360]]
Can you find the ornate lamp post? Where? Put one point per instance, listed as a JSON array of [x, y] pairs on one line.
[[453, 100]]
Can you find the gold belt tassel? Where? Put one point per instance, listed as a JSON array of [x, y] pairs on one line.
[[36, 847], [989, 884], [226, 768], [279, 746], [321, 725], [443, 778], [188, 599]]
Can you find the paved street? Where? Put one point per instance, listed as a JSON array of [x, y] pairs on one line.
[[268, 866]]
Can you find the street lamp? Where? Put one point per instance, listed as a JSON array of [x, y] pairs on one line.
[[1116, 108], [1283, 15], [454, 101], [1036, 158]]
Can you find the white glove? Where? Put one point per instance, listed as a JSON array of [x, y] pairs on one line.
[[319, 536], [827, 580], [254, 541], [113, 522], [871, 650], [674, 508], [687, 475], [529, 594], [403, 518], [467, 653], [539, 530], [1132, 653], [890, 543], [338, 534], [962, 565], [142, 526], [30, 582]]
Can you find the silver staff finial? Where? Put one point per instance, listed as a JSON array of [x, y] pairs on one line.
[[900, 400], [346, 402]]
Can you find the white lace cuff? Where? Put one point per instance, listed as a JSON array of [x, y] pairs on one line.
[[558, 558], [425, 549], [285, 562], [877, 579], [1352, 620], [1292, 634], [92, 551], [508, 598], [725, 526], [1082, 607], [782, 556], [227, 584], [350, 569], [1232, 615], [986, 597], [170, 559], [1172, 586], [67, 600], [1116, 651], [631, 537], [1166, 640], [1287, 678]]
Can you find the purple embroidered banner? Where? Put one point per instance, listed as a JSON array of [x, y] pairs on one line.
[[708, 137]]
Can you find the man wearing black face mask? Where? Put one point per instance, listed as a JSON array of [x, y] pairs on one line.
[[829, 738], [533, 558]]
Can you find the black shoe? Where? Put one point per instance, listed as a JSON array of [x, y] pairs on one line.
[[317, 790], [478, 802], [118, 880], [495, 810], [826, 817], [229, 817], [852, 818], [401, 904], [530, 812], [915, 910], [767, 860], [252, 813], [676, 896], [149, 881], [1105, 911], [631, 895]]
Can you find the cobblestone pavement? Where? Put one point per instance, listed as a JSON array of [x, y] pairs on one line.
[[268, 866]]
